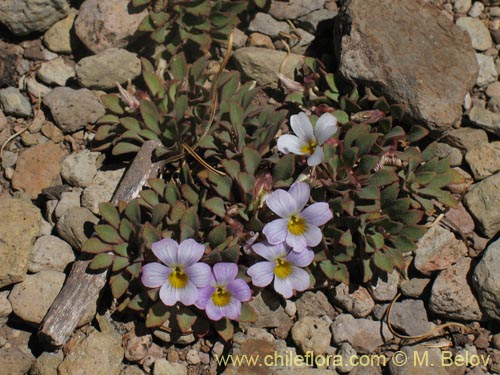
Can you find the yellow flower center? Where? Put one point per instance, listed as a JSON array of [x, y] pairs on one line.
[[297, 225], [178, 279], [282, 269], [309, 148], [221, 297]]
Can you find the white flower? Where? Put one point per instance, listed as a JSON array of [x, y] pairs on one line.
[[308, 141]]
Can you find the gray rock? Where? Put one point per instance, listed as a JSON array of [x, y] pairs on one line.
[[462, 6], [408, 316], [5, 307], [385, 288], [102, 71], [12, 102], [101, 189], [164, 367], [386, 40], [76, 225], [269, 311], [311, 334], [265, 24], [346, 352], [35, 88], [476, 10], [486, 280], [444, 150], [102, 25], [294, 9], [484, 160], [56, 72], [451, 295], [32, 298], [79, 169], [480, 199], [69, 199], [262, 64], [485, 119], [59, 37], [14, 361], [466, 138], [311, 21], [305, 41], [73, 109], [354, 299], [461, 218], [131, 370], [19, 226], [314, 304], [433, 366], [23, 17], [47, 363], [50, 253], [239, 39], [364, 335], [414, 287], [478, 32], [487, 72], [437, 250]]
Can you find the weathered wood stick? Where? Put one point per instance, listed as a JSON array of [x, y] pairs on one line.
[[82, 286]]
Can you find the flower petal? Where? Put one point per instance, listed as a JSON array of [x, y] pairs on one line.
[[271, 252], [317, 213], [326, 126], [300, 192], [281, 203], [240, 290], [313, 235], [316, 158], [232, 310], [204, 295], [283, 287], [302, 127], [200, 274], [166, 251], [302, 259], [189, 294], [169, 295], [189, 252], [299, 279], [297, 243], [224, 273], [291, 143], [262, 273], [154, 274], [276, 231], [213, 312]]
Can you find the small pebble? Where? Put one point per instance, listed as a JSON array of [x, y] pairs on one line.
[[495, 341], [462, 6], [476, 10], [193, 357], [290, 308], [205, 358]]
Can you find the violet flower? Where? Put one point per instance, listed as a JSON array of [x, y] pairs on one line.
[[223, 297], [298, 227], [308, 140], [283, 265], [180, 279]]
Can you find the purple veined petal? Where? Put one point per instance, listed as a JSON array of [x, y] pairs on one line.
[[240, 290], [189, 294], [299, 279], [200, 274], [283, 287], [297, 243], [166, 251], [154, 274], [317, 213], [224, 273], [204, 295], [189, 252], [326, 126], [316, 158], [271, 252], [302, 127], [169, 295], [313, 235], [290, 143], [276, 231], [300, 192], [281, 203], [232, 310], [262, 273], [302, 259], [213, 312]]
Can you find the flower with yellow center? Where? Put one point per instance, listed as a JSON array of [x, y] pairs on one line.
[[180, 274], [283, 266], [223, 297], [297, 226], [308, 140]]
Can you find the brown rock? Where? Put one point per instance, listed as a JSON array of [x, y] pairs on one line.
[[260, 40], [461, 218], [384, 42], [38, 168], [484, 159], [13, 361]]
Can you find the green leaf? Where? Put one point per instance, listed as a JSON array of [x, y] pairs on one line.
[[157, 315], [251, 160], [284, 168], [383, 177], [178, 66], [112, 102], [172, 194], [403, 244], [101, 261], [119, 263], [139, 302], [131, 124], [236, 114], [140, 3], [190, 194], [221, 184], [370, 192], [217, 235], [246, 181], [341, 116], [159, 212], [121, 250], [335, 271], [133, 211], [152, 81], [248, 314], [110, 214], [416, 133], [224, 328], [232, 167], [107, 233], [186, 319], [119, 285], [126, 229], [124, 148], [383, 262], [150, 197], [150, 234], [95, 246], [150, 115], [178, 211], [158, 185], [215, 205], [229, 88]]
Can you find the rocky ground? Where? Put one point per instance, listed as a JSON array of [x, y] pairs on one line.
[[57, 58]]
